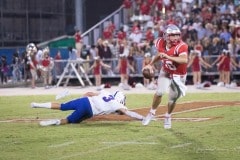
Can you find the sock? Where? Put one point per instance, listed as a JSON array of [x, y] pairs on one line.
[[43, 105], [167, 115], [153, 111]]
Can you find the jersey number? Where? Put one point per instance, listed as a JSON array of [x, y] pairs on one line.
[[170, 65], [107, 99]]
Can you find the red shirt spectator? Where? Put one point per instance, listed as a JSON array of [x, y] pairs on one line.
[[159, 4], [144, 8], [107, 34], [78, 37], [149, 35], [127, 4], [121, 35]]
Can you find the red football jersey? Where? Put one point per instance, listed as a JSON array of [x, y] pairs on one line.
[[175, 51]]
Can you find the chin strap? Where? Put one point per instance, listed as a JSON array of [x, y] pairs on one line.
[[134, 115]]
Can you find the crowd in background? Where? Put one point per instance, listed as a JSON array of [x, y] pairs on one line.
[[208, 26]]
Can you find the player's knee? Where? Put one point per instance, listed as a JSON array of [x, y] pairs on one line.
[[159, 93]]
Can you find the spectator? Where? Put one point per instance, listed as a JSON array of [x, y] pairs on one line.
[[227, 62], [31, 60], [136, 35], [225, 34], [78, 42], [16, 65], [3, 69], [220, 67], [47, 67], [72, 53], [97, 71], [196, 61], [58, 65], [85, 55], [128, 10]]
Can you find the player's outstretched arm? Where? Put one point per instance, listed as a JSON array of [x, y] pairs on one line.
[[131, 114]]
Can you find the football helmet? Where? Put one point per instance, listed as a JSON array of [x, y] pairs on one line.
[[171, 29], [31, 48], [120, 97]]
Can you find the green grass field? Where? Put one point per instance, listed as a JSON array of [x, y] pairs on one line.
[[217, 139]]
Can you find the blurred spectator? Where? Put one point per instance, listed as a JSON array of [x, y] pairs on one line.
[[26, 66], [78, 42], [72, 53], [227, 61], [85, 54], [33, 68], [144, 8], [149, 35], [136, 36], [215, 48], [106, 51], [226, 35], [128, 10], [97, 71], [3, 69], [47, 67], [93, 52], [58, 65], [121, 35], [220, 67], [196, 61], [16, 68], [123, 68], [114, 46]]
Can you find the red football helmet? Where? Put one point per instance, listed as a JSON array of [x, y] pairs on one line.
[[172, 29]]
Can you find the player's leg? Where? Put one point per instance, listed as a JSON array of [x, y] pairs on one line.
[[49, 105], [177, 89], [162, 87], [82, 110]]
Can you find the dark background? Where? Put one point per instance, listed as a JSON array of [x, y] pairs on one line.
[[96, 10]]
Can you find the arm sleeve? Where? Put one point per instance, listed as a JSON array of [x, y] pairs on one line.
[[134, 115]]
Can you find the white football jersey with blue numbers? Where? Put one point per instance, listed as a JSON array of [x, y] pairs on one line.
[[104, 103]]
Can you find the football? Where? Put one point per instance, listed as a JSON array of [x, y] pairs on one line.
[[147, 74]]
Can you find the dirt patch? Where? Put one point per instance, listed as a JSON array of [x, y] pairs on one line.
[[180, 108]]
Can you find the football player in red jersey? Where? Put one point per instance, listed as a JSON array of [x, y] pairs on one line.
[[173, 53]]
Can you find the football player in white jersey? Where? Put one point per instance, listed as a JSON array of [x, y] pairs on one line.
[[91, 104]]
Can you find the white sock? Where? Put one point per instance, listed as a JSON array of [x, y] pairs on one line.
[[43, 105], [167, 115], [153, 111]]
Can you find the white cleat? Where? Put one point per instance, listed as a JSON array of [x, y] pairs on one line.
[[49, 122], [167, 121], [147, 119]]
